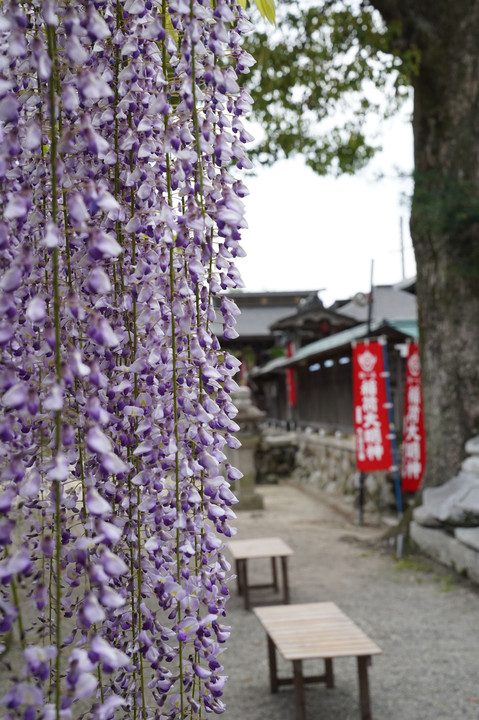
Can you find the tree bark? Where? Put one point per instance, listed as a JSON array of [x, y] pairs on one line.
[[445, 218]]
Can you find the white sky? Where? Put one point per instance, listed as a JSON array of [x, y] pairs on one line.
[[308, 232]]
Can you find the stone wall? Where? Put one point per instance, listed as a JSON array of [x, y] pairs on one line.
[[320, 461], [275, 456]]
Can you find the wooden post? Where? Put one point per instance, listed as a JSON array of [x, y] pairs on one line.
[[363, 662], [273, 675], [275, 573], [328, 671], [298, 689], [284, 568]]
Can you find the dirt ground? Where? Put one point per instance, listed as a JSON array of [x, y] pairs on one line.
[[425, 620]]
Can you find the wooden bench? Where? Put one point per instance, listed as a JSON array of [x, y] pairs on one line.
[[315, 630], [271, 548]]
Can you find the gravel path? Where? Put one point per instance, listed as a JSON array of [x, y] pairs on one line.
[[425, 620]]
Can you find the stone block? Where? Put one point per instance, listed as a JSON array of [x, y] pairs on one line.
[[345, 465], [472, 446], [441, 546], [349, 484], [269, 479], [288, 440], [448, 550], [372, 486], [468, 536], [456, 502], [421, 516], [472, 564], [471, 465], [250, 501], [248, 498]]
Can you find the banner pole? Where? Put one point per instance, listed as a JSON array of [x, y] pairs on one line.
[[392, 437], [362, 481], [362, 475], [392, 429]]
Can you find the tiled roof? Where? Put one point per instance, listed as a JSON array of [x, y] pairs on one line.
[[405, 327], [389, 303], [256, 321]]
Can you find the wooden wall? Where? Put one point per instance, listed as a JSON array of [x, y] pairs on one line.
[[324, 395]]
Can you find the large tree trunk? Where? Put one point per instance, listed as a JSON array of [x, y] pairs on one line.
[[445, 218]]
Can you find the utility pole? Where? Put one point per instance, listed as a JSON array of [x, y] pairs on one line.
[[362, 475]]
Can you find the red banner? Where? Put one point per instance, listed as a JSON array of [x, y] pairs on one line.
[[290, 379], [371, 419], [414, 436]]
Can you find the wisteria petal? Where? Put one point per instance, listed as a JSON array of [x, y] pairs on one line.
[[59, 471], [9, 108], [54, 400], [51, 237], [96, 505], [79, 368], [113, 564], [112, 464], [98, 281], [107, 709], [12, 279], [97, 441], [101, 650], [85, 685], [103, 245], [15, 397], [36, 310]]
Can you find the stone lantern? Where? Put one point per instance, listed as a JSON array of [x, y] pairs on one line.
[[243, 458]]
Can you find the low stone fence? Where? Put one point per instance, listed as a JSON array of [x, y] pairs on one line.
[[320, 461]]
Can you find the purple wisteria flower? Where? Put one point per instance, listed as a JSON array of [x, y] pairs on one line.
[[121, 151]]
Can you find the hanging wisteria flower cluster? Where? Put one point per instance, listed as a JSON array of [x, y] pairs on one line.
[[120, 122]]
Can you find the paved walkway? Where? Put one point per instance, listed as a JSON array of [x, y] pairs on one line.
[[425, 620]]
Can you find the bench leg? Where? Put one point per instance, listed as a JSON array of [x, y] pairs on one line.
[[328, 671], [275, 573], [364, 700], [284, 568], [298, 689], [273, 673]]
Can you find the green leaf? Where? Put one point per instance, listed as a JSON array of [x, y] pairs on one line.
[[170, 29], [267, 9], [242, 3]]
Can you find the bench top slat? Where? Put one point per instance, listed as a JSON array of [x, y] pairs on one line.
[[259, 548], [314, 630], [301, 610]]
